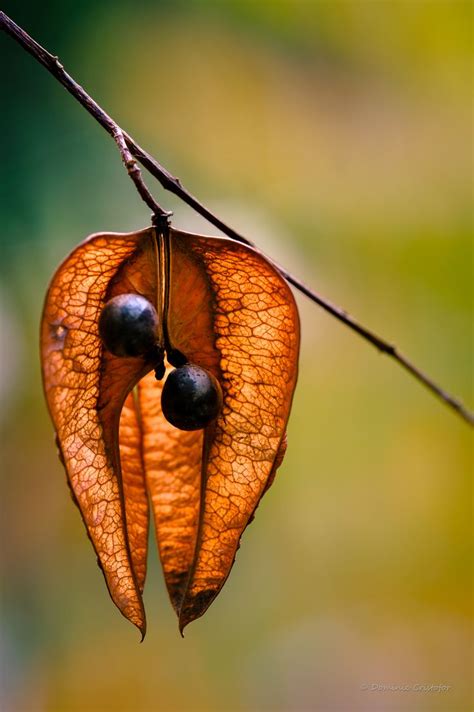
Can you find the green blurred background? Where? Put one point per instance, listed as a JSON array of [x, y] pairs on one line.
[[337, 136]]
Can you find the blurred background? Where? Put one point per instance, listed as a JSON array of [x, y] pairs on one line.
[[337, 136]]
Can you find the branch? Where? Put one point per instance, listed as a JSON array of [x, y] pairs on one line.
[[173, 185], [54, 66], [135, 174]]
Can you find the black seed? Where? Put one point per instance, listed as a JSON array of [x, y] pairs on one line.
[[191, 397], [128, 325]]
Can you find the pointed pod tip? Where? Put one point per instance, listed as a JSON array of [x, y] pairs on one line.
[[142, 629], [183, 622], [193, 607], [140, 623]]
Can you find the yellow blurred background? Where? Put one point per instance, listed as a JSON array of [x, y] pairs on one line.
[[337, 136]]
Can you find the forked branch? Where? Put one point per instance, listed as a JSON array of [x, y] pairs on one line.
[[130, 150], [135, 174]]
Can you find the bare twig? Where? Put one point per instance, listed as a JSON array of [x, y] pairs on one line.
[[173, 185], [54, 66], [135, 174]]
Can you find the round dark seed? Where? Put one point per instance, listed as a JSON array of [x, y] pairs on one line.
[[128, 325], [191, 397]]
